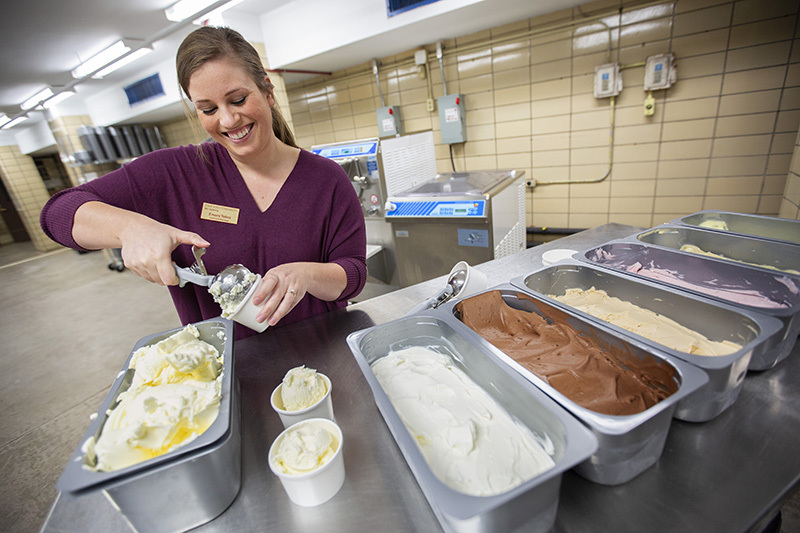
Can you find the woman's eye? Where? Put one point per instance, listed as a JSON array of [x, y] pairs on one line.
[[208, 111], [240, 101]]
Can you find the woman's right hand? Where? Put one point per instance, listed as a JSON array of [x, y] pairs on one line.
[[146, 244]]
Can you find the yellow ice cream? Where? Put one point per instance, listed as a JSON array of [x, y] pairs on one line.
[[173, 397], [301, 388], [697, 250], [304, 448], [644, 322], [714, 223]]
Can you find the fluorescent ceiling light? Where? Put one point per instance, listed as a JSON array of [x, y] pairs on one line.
[[60, 97], [104, 58], [36, 99], [13, 122], [3, 118], [188, 8], [141, 52]]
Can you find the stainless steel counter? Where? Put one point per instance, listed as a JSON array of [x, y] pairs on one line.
[[729, 474]]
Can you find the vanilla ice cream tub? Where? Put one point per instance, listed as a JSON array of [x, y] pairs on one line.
[[202, 474]]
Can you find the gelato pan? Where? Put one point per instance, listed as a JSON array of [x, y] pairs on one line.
[[417, 344], [760, 253], [754, 289], [202, 476], [591, 371], [718, 323], [771, 228]]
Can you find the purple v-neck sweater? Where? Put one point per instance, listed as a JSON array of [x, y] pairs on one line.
[[316, 217]]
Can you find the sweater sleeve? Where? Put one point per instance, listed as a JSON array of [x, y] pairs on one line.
[[348, 242]]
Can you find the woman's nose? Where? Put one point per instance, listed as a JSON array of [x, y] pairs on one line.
[[227, 117]]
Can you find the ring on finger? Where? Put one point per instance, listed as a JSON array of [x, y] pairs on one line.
[[293, 292]]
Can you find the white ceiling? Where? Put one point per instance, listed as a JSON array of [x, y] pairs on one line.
[[42, 41]]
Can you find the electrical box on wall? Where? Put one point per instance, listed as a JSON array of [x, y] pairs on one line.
[[451, 118], [659, 72], [389, 123], [607, 80]]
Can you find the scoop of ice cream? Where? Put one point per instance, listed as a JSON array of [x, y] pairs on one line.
[[173, 398], [231, 299], [714, 223], [301, 388], [304, 448]]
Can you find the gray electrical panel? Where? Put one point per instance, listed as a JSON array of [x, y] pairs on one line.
[[389, 122], [451, 118]]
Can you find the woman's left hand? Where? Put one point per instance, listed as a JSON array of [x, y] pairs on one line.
[[281, 289]]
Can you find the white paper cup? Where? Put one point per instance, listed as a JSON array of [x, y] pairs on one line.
[[321, 409], [319, 486], [475, 282], [246, 313], [556, 255]]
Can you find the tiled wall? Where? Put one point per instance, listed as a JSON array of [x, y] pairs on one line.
[[26, 188], [721, 138], [790, 207]]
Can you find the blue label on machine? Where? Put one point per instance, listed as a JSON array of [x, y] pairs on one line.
[[332, 152], [473, 237], [435, 209]]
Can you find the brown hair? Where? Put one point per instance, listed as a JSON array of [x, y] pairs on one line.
[[209, 42]]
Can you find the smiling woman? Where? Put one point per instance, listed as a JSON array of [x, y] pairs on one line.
[[297, 219]]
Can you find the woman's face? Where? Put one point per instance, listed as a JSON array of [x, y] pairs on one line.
[[231, 108]]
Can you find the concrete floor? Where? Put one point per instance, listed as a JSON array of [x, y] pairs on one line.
[[68, 325]]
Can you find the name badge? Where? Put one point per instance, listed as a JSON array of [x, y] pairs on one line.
[[220, 213]]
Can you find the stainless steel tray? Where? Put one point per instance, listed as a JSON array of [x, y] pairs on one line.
[[772, 228], [715, 320], [186, 487], [771, 256], [628, 445], [712, 278], [530, 506]]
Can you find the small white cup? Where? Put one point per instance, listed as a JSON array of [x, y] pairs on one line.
[[246, 313], [556, 255], [475, 282], [321, 409], [319, 486]]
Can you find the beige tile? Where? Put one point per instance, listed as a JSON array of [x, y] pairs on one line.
[[511, 95], [583, 85], [480, 132], [553, 220], [682, 205], [515, 161], [549, 205], [551, 70], [479, 148], [682, 6], [634, 171], [413, 111], [589, 156], [693, 149], [688, 129], [546, 90], [699, 66], [512, 78], [746, 124], [514, 145], [519, 59], [475, 84], [702, 20], [754, 80], [742, 104], [594, 38], [739, 204], [548, 52], [640, 205], [587, 102], [766, 31], [700, 43], [654, 29], [512, 112], [631, 153], [476, 116], [590, 173], [590, 138], [477, 64], [631, 187], [481, 100], [695, 88], [792, 191], [548, 174], [637, 134], [551, 107], [769, 205], [782, 143], [550, 125], [552, 158], [481, 163], [549, 141], [587, 220], [418, 124], [686, 168], [753, 10], [516, 128], [639, 53], [740, 185], [742, 146], [583, 206], [737, 166], [793, 75], [779, 164], [591, 120], [790, 98], [642, 220], [585, 64], [681, 187]]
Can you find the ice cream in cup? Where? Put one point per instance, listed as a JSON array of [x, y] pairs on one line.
[[307, 458], [304, 393], [245, 312]]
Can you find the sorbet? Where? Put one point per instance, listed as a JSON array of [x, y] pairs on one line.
[[469, 441], [691, 248]]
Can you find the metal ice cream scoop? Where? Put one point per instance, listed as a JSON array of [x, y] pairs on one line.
[[455, 282], [230, 276]]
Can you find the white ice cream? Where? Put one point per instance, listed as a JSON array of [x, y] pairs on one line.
[[301, 388], [304, 448], [470, 442], [173, 397], [230, 300]]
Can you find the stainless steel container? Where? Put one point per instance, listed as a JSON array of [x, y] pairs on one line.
[[119, 142], [715, 320], [108, 144], [91, 143], [186, 487], [628, 445], [773, 228], [765, 254], [528, 507], [130, 139], [713, 278]]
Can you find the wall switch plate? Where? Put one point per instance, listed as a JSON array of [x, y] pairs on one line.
[[607, 80], [649, 105], [429, 104], [659, 72]]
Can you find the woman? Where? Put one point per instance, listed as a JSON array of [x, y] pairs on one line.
[[251, 197]]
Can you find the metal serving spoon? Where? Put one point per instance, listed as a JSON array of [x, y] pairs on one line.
[[455, 282]]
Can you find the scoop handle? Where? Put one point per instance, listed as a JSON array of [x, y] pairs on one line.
[[186, 275]]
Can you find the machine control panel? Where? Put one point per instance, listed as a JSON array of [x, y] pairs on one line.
[[332, 152], [437, 209]]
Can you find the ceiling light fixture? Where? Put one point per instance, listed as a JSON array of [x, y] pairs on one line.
[[109, 58], [13, 122], [36, 99], [58, 98], [188, 8], [130, 58]]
